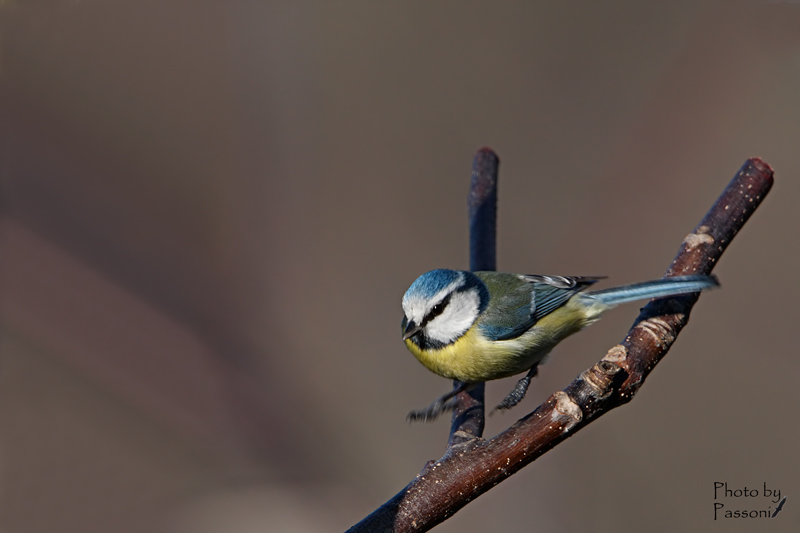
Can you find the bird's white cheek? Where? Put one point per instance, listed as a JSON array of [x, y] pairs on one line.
[[456, 319]]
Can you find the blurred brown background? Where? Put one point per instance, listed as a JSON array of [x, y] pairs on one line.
[[210, 212]]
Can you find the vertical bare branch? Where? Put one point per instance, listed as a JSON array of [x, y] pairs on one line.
[[469, 414], [482, 203]]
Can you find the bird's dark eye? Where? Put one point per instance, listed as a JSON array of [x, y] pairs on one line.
[[437, 309]]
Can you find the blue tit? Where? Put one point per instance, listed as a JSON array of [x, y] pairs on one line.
[[479, 326]]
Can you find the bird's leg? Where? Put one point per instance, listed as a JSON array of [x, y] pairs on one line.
[[516, 395], [440, 405]]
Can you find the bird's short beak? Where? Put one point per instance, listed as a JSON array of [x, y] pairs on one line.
[[411, 329]]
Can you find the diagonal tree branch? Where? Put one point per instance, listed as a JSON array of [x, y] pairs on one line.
[[471, 467]]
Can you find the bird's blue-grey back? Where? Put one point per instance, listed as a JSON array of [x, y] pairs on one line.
[[519, 301]]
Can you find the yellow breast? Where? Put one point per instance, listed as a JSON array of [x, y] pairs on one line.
[[473, 357]]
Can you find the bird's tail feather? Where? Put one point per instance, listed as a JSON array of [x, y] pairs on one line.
[[654, 289]]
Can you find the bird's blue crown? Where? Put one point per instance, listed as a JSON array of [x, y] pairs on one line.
[[430, 283]]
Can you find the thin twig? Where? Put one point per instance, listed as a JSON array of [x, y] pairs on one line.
[[472, 467], [469, 414]]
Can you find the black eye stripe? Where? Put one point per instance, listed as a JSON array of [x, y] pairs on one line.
[[437, 310]]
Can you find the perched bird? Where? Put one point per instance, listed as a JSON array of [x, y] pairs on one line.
[[479, 326]]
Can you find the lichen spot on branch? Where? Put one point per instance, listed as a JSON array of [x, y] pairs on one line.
[[693, 240], [616, 354], [566, 411]]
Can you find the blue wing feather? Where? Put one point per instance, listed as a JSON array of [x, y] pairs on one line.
[[516, 305]]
